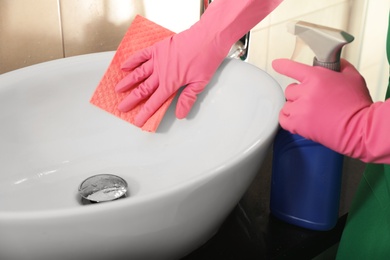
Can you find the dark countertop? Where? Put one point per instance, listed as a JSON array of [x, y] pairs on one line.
[[251, 232], [268, 238]]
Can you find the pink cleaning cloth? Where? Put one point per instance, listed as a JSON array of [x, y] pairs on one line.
[[142, 33]]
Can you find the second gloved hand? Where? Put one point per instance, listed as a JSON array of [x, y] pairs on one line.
[[336, 110]]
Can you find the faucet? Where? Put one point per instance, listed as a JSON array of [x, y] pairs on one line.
[[240, 49]]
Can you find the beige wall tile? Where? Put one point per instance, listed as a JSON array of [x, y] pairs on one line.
[[366, 20], [29, 33], [372, 61], [258, 48], [377, 78], [96, 25], [293, 9], [275, 42], [99, 25]]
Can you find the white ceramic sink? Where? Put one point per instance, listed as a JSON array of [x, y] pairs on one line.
[[184, 180]]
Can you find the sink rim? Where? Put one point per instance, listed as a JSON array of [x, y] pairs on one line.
[[92, 209]]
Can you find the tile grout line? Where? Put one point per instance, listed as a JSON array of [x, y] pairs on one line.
[[61, 29]]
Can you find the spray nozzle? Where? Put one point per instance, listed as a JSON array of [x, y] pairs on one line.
[[325, 42]]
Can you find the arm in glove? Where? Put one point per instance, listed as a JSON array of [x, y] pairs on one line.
[[336, 110], [189, 58]]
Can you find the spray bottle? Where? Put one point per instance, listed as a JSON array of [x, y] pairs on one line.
[[306, 176]]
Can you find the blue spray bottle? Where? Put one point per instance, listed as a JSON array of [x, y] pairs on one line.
[[306, 176]]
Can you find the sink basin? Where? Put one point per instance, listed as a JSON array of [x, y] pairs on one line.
[[183, 181]]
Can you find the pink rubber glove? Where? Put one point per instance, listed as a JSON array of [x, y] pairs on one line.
[[336, 110], [189, 58]]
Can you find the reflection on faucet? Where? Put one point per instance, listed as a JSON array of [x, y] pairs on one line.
[[240, 49]]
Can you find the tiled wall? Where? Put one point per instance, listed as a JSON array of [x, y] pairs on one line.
[[270, 39], [33, 31], [366, 20], [30, 33], [370, 55]]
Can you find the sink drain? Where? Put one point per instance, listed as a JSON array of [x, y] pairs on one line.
[[102, 188]]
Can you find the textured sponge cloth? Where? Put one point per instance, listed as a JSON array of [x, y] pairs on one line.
[[142, 33]]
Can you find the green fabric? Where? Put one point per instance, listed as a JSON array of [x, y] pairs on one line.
[[367, 231]]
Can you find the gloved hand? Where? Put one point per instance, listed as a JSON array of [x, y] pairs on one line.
[[189, 58], [336, 110]]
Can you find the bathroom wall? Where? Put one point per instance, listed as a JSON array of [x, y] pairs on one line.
[[370, 19], [34, 31], [366, 20]]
